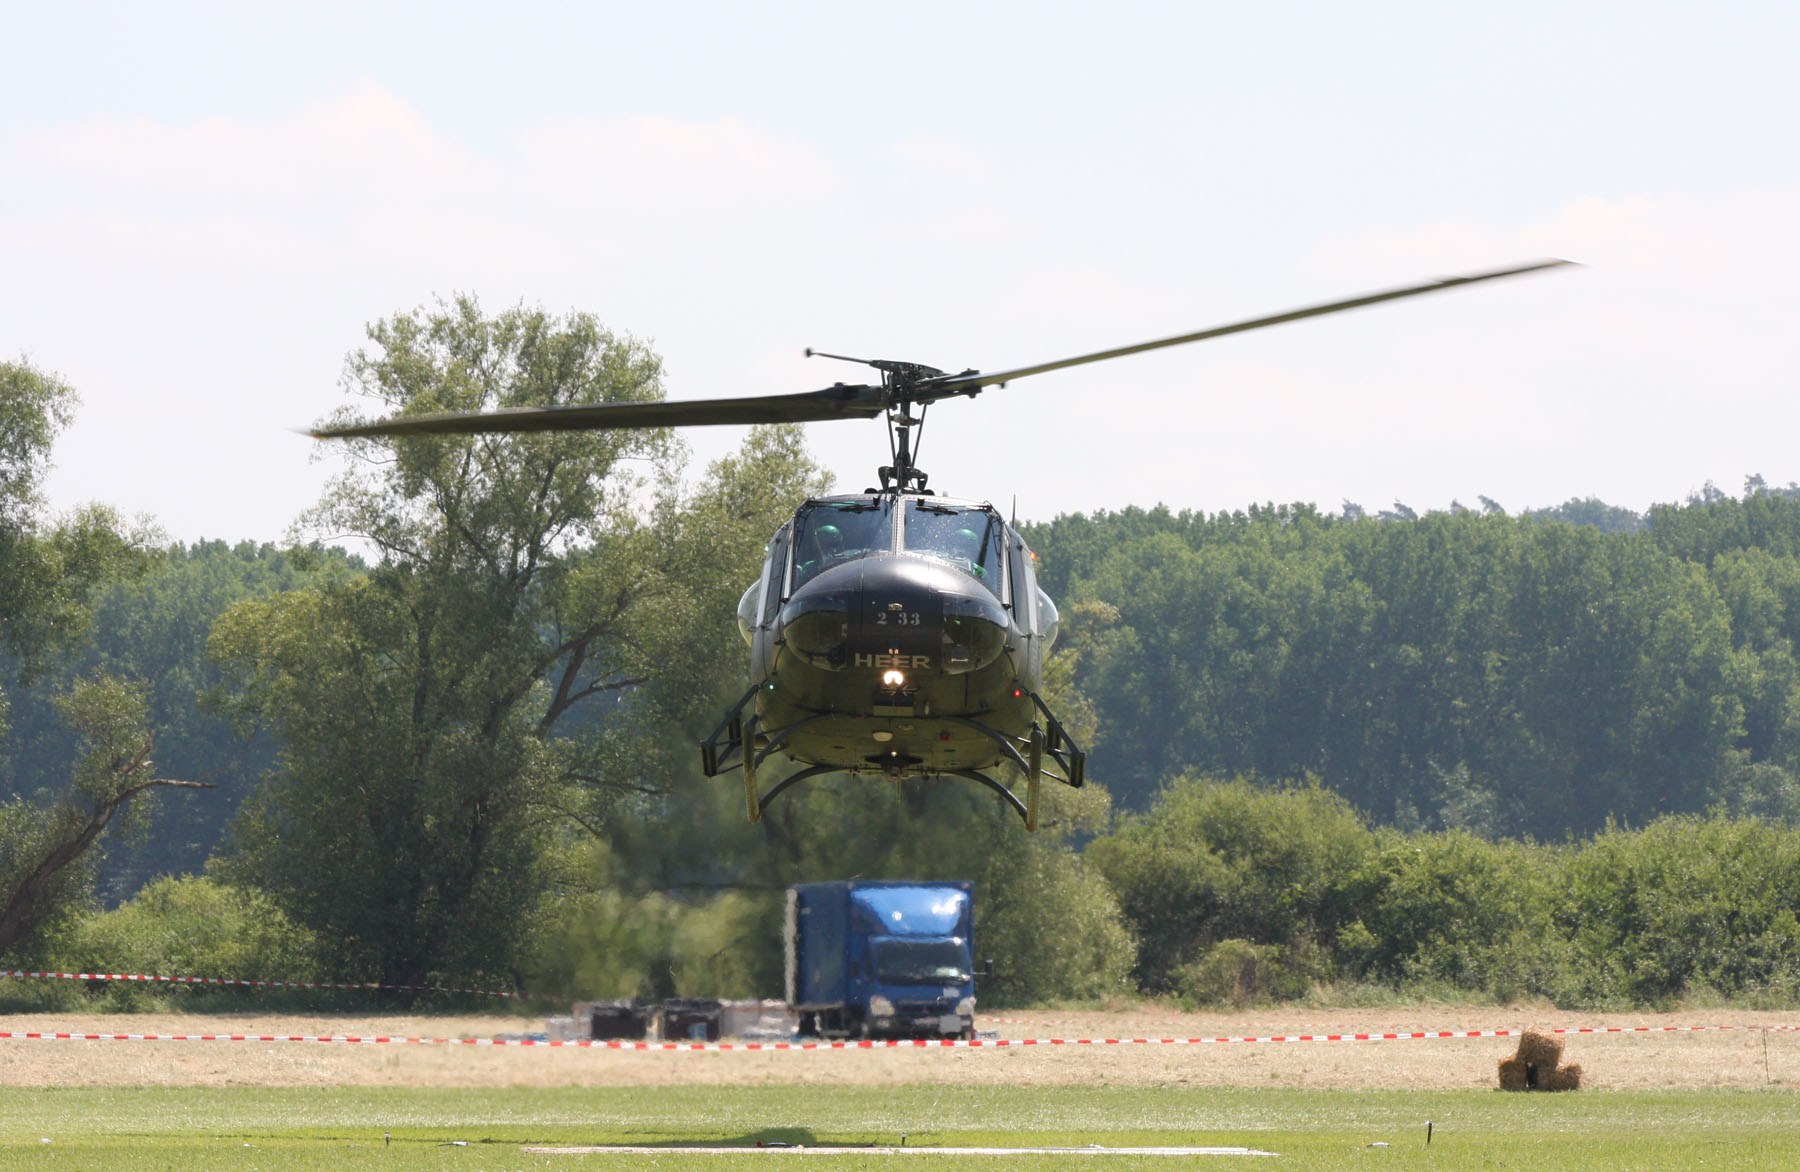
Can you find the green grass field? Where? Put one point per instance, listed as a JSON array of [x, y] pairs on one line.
[[181, 1129]]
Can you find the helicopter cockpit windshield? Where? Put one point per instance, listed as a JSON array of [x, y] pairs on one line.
[[830, 532], [967, 537]]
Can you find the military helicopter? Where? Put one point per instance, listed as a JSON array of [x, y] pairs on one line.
[[895, 631]]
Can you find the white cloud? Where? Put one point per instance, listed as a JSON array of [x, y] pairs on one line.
[[1733, 242], [362, 143], [663, 163], [363, 179]]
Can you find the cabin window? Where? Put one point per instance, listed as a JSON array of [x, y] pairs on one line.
[[774, 573], [829, 533], [748, 611], [1032, 608], [1023, 584], [969, 538]]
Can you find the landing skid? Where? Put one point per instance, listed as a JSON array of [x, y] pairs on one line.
[[1046, 752]]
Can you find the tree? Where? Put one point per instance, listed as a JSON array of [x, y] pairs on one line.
[[47, 569], [45, 859], [447, 717], [47, 572], [1591, 511]]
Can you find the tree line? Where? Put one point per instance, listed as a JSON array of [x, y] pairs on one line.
[[468, 758], [1508, 675]]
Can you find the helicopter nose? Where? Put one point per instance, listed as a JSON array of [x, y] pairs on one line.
[[896, 613]]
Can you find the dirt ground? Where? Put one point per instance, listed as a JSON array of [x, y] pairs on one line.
[[1764, 1050]]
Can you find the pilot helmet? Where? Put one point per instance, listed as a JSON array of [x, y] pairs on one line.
[[968, 547], [830, 540]]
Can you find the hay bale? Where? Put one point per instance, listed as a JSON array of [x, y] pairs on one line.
[[1512, 1074], [1563, 1078], [1541, 1050]]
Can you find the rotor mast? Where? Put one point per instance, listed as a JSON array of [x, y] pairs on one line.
[[901, 383]]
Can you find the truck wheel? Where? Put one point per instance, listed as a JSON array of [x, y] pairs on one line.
[[809, 1026]]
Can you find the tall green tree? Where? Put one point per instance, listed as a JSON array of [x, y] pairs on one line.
[[48, 569], [418, 706], [505, 677], [48, 566]]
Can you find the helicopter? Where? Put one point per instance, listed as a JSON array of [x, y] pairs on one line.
[[897, 631]]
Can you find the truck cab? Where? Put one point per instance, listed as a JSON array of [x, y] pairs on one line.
[[882, 958]]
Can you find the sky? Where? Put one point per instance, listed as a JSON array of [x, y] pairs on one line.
[[202, 207]]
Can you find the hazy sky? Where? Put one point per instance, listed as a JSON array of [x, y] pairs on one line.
[[201, 206]]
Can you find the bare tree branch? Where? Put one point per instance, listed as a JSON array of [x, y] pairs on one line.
[[34, 898]]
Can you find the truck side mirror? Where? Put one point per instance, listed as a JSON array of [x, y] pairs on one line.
[[987, 968]]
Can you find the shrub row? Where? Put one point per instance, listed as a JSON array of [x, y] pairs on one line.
[[1238, 892]]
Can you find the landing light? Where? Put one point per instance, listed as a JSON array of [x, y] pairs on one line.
[[893, 679]]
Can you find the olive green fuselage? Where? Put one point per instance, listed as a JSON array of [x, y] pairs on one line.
[[907, 657]]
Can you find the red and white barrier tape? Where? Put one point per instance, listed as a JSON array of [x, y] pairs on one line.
[[275, 984], [879, 1044]]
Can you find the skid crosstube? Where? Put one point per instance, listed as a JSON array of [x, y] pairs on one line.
[[1046, 752]]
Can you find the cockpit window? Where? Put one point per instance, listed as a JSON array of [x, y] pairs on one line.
[[837, 531], [967, 538]]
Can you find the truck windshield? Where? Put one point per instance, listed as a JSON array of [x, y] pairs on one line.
[[921, 962]]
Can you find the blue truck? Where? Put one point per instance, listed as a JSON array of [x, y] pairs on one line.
[[882, 958]]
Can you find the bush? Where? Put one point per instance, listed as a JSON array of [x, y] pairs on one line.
[[1686, 904], [1229, 860], [1239, 973], [1240, 894], [1451, 908], [190, 927], [609, 944]]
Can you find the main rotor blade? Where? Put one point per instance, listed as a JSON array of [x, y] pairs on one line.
[[966, 384], [839, 402]]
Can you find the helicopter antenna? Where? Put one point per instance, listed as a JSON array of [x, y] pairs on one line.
[[811, 353]]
